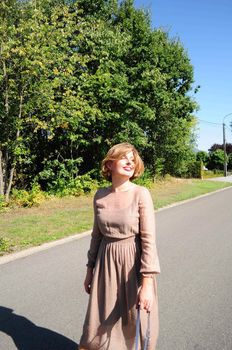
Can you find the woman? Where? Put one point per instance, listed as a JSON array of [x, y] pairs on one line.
[[122, 259]]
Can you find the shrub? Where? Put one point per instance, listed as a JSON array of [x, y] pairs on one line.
[[57, 176], [80, 185], [4, 245], [195, 169], [28, 198], [146, 179], [212, 173], [3, 203]]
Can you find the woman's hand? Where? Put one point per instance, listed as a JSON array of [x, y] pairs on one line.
[[146, 294], [88, 280]]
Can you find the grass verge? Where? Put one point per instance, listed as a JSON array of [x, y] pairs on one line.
[[60, 217]]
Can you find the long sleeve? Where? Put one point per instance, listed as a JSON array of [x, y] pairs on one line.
[[149, 256], [96, 238]]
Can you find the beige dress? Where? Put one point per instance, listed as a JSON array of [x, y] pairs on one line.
[[122, 249]]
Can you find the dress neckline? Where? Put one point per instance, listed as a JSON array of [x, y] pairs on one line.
[[127, 190]]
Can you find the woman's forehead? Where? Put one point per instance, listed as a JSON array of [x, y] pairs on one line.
[[129, 154]]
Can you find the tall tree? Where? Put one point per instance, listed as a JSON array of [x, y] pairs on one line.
[[11, 98], [79, 76], [216, 146], [160, 76], [39, 83]]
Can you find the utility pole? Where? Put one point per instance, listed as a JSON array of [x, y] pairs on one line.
[[224, 147], [224, 143]]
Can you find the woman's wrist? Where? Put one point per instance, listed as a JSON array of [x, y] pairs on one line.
[[147, 275], [147, 282]]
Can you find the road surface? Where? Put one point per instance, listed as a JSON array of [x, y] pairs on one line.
[[42, 302], [222, 178]]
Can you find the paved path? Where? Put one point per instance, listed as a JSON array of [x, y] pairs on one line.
[[42, 303], [223, 178], [195, 287]]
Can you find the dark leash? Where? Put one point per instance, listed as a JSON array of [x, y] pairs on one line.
[[148, 331]]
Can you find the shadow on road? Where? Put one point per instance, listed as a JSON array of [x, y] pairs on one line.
[[27, 336]]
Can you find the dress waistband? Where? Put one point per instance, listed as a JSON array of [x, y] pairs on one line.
[[130, 239]]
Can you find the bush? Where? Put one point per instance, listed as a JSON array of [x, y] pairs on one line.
[[195, 170], [57, 176], [3, 203], [146, 179], [80, 185], [159, 168], [212, 173], [4, 245], [28, 198]]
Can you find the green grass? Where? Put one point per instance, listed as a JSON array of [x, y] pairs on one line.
[[61, 217], [179, 190], [53, 219], [210, 174]]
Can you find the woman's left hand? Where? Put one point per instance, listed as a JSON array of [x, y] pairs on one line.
[[146, 295]]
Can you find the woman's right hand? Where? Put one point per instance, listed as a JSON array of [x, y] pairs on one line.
[[88, 280]]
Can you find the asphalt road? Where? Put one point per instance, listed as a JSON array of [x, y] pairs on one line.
[[223, 178], [42, 302]]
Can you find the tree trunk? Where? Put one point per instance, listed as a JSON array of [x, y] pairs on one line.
[[7, 195], [12, 170], [4, 165], [1, 174]]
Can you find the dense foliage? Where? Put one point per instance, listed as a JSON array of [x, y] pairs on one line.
[[203, 156], [215, 159], [77, 77], [217, 146]]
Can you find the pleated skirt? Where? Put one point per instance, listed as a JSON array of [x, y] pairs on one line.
[[110, 320]]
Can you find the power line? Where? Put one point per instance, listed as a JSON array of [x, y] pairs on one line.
[[207, 122]]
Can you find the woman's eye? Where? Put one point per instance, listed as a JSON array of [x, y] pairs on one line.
[[131, 160]]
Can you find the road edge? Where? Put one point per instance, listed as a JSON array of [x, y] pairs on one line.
[[29, 251]]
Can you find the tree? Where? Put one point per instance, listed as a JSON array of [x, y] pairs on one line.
[[140, 85], [230, 161], [216, 146], [77, 77], [12, 94], [203, 156], [216, 160], [39, 82]]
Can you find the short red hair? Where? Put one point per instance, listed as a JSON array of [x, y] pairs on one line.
[[117, 152]]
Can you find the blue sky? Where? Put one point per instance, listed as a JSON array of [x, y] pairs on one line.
[[205, 29]]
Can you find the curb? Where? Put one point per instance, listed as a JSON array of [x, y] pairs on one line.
[[192, 199], [26, 252]]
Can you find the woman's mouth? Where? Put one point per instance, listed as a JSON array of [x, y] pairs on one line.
[[127, 168]]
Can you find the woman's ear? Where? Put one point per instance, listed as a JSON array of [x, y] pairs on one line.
[[109, 165]]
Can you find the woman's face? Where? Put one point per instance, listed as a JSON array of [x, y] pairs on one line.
[[124, 166]]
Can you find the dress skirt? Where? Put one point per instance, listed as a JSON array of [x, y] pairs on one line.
[[110, 321]]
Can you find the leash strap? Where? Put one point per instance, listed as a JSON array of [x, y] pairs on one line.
[[137, 329], [148, 331]]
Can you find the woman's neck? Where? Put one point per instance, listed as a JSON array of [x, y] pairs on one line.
[[119, 184]]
